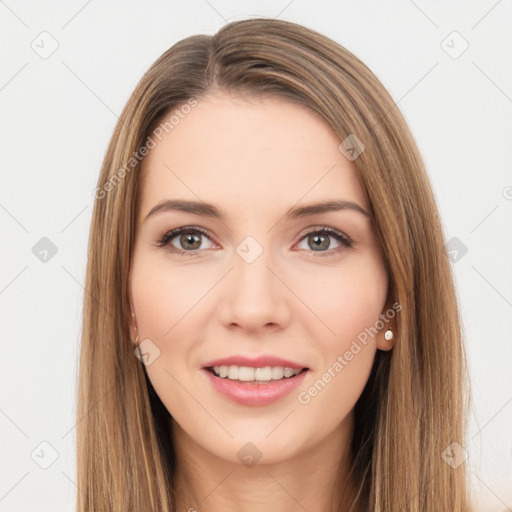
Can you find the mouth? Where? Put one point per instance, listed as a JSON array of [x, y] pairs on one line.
[[250, 386]]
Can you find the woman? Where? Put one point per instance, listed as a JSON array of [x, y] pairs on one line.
[[305, 350]]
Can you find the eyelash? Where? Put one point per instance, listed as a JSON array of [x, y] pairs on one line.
[[346, 242]]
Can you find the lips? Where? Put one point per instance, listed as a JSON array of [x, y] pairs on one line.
[[253, 394], [256, 362], [273, 378]]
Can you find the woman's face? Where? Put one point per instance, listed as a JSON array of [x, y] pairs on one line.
[[259, 281]]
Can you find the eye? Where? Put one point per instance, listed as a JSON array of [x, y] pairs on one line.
[[188, 237], [189, 240], [318, 241]]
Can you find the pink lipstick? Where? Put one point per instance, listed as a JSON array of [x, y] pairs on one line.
[[254, 381]]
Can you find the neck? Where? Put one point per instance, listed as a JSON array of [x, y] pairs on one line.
[[313, 479]]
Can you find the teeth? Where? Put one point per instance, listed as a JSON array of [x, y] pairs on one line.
[[277, 372], [245, 373], [288, 372], [263, 373], [233, 372], [248, 374]]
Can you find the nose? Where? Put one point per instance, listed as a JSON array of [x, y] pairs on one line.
[[253, 296]]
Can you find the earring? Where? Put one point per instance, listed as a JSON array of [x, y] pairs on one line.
[[388, 334]]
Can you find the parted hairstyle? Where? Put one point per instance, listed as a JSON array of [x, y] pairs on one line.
[[416, 399]]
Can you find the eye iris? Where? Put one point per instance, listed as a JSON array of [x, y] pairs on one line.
[[317, 241], [188, 237]]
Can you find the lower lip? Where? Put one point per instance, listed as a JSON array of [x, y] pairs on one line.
[[254, 394]]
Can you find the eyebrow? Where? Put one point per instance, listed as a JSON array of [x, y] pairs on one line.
[[210, 210]]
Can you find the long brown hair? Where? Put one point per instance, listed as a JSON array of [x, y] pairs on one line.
[[414, 405]]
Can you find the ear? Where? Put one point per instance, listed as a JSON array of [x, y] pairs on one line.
[[382, 342], [387, 336]]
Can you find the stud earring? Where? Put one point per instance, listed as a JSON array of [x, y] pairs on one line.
[[388, 335]]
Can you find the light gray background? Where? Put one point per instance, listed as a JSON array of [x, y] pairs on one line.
[[58, 114]]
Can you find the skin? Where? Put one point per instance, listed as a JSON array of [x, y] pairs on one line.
[[255, 159]]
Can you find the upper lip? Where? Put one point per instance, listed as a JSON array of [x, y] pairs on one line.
[[255, 362]]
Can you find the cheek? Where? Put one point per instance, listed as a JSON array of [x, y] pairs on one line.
[[163, 296], [346, 300]]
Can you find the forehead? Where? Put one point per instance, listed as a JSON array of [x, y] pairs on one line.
[[265, 152]]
